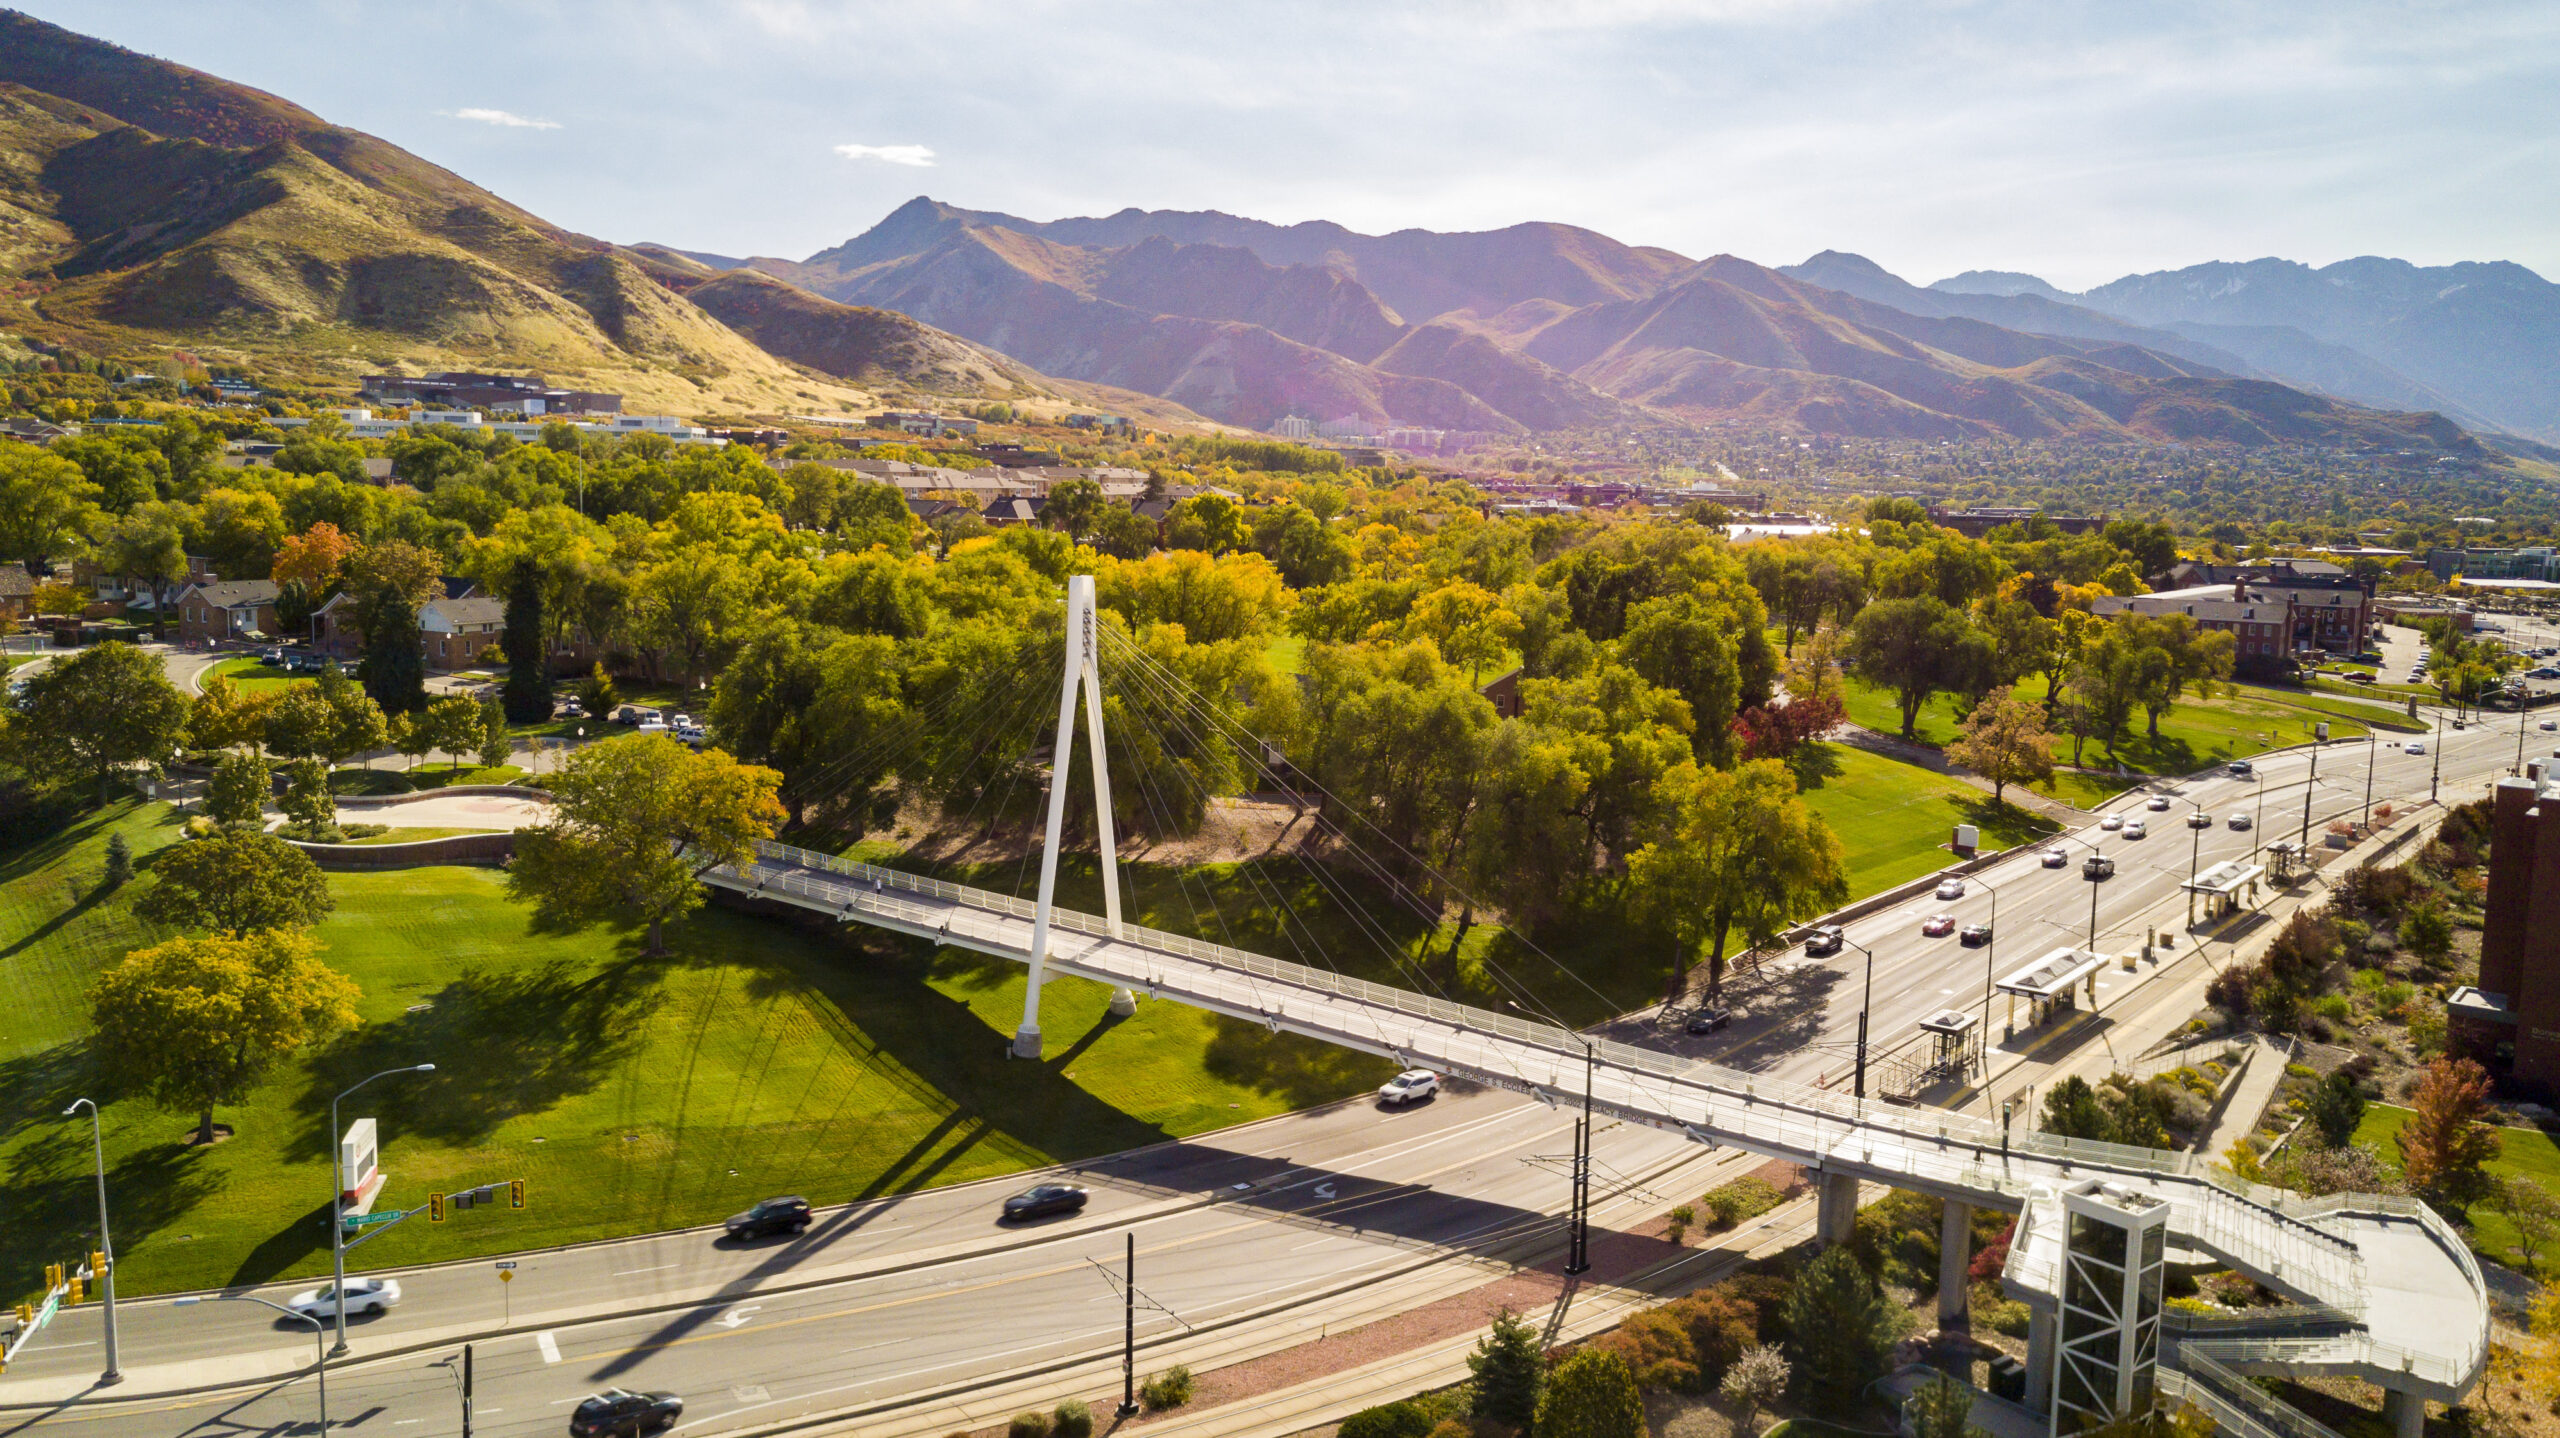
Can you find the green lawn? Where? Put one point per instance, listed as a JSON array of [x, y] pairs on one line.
[[2194, 735], [1285, 652], [2524, 1152], [633, 1094], [256, 676], [435, 774], [412, 836], [1895, 819]]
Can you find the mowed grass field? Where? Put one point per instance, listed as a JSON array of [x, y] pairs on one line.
[[2523, 1153], [1895, 820], [2194, 735], [632, 1094], [256, 676]]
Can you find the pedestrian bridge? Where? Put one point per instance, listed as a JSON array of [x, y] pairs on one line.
[[2413, 1311]]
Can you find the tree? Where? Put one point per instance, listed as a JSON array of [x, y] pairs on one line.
[[239, 789], [91, 714], [1906, 645], [452, 724], [47, 505], [307, 800], [195, 1022], [1510, 1369], [312, 558], [149, 545], [528, 693], [2531, 1210], [2426, 932], [395, 660], [1073, 507], [597, 695], [226, 715], [1941, 1408], [408, 737], [1840, 1329], [1400, 1419], [2337, 1106], [1739, 847], [119, 868], [2005, 741], [2445, 1143], [1755, 1380], [239, 881], [825, 714], [1591, 1395], [2072, 1110], [495, 746], [639, 820]]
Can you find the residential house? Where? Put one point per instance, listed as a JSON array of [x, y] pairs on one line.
[[17, 592], [1505, 694], [456, 630], [2269, 622], [334, 631], [1002, 512], [225, 609]]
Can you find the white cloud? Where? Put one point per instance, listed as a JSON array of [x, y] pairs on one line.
[[502, 118], [918, 156]]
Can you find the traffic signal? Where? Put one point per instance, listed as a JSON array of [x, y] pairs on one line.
[[97, 1263], [435, 1208], [52, 1277], [515, 1193], [74, 1296], [26, 1314]]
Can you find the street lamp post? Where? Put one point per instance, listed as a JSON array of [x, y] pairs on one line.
[[2197, 823], [337, 1219], [2372, 756], [319, 1338], [106, 1245], [2258, 826], [1858, 1088], [2435, 773], [1990, 976], [2319, 736]]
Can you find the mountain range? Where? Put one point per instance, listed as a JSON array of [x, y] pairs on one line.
[[144, 204]]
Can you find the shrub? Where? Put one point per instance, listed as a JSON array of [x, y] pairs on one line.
[[1757, 1378], [119, 860], [1510, 1368], [1169, 1389], [1840, 1330], [2334, 1008], [1028, 1425], [2426, 931], [1676, 1228], [1592, 1395], [1742, 1198], [1387, 1420], [1999, 1314], [1072, 1420]]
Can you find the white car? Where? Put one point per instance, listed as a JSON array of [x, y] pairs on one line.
[[2159, 804], [1408, 1086], [2414, 746], [2135, 830], [2111, 823], [2550, 724], [1951, 889], [364, 1295]]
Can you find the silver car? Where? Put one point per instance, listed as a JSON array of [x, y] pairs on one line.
[[364, 1295]]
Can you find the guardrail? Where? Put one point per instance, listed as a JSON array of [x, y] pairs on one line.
[[1946, 1147]]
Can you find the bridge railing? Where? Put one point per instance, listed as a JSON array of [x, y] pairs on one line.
[[1954, 1147]]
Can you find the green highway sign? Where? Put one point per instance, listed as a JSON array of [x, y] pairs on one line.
[[359, 1220]]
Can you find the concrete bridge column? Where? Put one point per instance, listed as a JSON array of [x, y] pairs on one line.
[[2405, 1412], [1955, 1255], [1123, 1003], [1836, 1210], [2041, 1340]]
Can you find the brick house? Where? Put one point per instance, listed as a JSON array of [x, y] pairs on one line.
[[2269, 621], [227, 609], [17, 592], [456, 630], [335, 633]]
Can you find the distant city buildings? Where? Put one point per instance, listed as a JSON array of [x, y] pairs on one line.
[[512, 394]]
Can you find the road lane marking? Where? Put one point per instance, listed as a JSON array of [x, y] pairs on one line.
[[661, 1268], [550, 1347], [738, 1316]]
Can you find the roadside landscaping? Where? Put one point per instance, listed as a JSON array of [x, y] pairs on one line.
[[2194, 735], [256, 676], [1896, 819], [633, 1095]]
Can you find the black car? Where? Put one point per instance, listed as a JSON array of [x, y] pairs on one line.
[[1046, 1199], [1708, 1020], [774, 1215], [1974, 936], [619, 1411]]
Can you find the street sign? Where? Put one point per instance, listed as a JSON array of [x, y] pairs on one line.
[[364, 1220], [506, 1264]]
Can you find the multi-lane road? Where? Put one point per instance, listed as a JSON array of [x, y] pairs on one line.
[[1290, 1216]]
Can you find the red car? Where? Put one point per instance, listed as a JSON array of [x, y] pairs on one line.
[[1938, 926]]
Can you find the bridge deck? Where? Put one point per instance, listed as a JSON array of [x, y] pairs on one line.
[[2428, 1317]]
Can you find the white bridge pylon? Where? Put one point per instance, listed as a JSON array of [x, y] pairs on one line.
[[1083, 672]]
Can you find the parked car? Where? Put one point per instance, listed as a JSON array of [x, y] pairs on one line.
[[1408, 1086], [1708, 1020], [652, 726], [2239, 769], [2111, 823], [693, 735], [774, 1215], [619, 1412], [1938, 926], [1974, 936], [2159, 804], [1044, 1199], [364, 1295], [2239, 821], [634, 714], [2359, 677], [1951, 888], [2135, 829], [2055, 858], [1824, 940]]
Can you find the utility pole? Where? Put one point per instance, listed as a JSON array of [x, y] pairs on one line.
[[1578, 1259], [2435, 775], [466, 1391], [2197, 823], [2320, 735], [1128, 1335], [2372, 756], [1858, 1088]]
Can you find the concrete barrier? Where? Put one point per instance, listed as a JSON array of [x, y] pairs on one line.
[[384, 801], [418, 853]]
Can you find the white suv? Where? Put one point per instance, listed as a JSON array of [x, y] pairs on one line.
[[1408, 1086]]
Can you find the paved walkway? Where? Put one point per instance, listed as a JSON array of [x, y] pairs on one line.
[[2249, 1103]]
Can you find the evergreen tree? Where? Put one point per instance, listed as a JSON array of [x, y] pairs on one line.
[[1840, 1330], [528, 692], [1941, 1408], [119, 860], [1591, 1395], [2072, 1110], [395, 660], [2337, 1107], [1509, 1370]]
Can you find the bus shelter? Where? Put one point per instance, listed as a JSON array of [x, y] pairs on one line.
[[2226, 888], [2051, 985]]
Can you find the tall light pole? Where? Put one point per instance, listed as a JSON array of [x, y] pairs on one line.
[[2319, 736], [2197, 823], [2372, 757], [2435, 775], [337, 1219], [106, 1245], [1858, 1088], [1990, 975], [319, 1337]]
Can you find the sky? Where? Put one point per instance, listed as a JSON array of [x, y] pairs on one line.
[[2073, 140]]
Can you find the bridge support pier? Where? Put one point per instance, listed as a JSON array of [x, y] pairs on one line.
[[1123, 1003], [2041, 1342], [2405, 1412], [1836, 1209], [1955, 1255]]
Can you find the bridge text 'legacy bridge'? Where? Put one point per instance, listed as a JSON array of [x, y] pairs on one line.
[[2410, 1305]]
